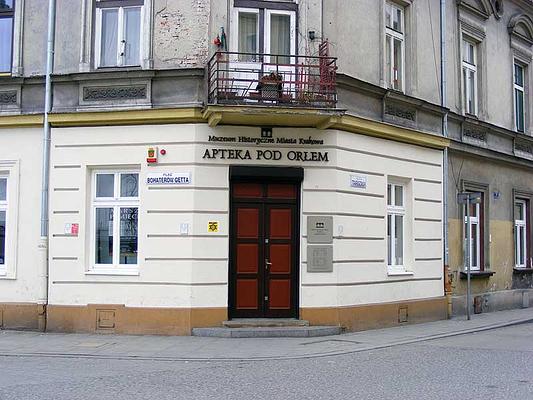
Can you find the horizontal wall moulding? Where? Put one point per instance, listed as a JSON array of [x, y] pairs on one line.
[[187, 212], [391, 280], [180, 236], [184, 259], [428, 181], [344, 214], [140, 283]]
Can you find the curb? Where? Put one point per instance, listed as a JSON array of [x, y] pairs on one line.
[[275, 358]]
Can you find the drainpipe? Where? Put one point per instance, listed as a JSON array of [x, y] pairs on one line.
[[43, 244], [443, 86]]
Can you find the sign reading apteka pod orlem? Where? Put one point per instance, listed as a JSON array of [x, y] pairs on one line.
[[168, 178]]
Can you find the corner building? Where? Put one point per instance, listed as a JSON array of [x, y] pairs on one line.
[[270, 169], [233, 241]]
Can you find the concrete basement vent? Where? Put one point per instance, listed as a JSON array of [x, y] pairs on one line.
[[105, 319], [403, 314]]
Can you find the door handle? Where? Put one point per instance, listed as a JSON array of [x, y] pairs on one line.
[[267, 264]]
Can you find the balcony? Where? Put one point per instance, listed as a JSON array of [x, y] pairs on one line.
[[272, 80]]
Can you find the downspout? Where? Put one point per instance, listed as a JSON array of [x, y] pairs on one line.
[[443, 97], [43, 245]]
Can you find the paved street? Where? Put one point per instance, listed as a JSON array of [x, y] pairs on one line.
[[492, 364]]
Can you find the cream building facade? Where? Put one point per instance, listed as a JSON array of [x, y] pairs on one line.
[[222, 159]]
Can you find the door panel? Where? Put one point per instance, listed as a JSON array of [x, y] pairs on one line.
[[280, 257], [247, 258], [247, 294], [264, 251], [279, 294], [280, 223], [248, 223]]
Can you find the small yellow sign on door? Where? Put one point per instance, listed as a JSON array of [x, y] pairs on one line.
[[212, 226]]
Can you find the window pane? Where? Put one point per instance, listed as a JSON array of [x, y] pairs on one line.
[[389, 194], [519, 110], [6, 43], [104, 236], [398, 64], [388, 16], [128, 235], [388, 52], [522, 244], [468, 52], [2, 237], [247, 35], [471, 92], [518, 75], [519, 211], [280, 37], [6, 4], [129, 185], [397, 25], [132, 18], [398, 196], [398, 240], [473, 252], [516, 245], [389, 243], [105, 185], [108, 53], [3, 189]]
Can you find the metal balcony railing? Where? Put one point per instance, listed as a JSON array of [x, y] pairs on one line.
[[272, 80]]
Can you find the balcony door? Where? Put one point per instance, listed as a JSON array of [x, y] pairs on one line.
[[258, 31]]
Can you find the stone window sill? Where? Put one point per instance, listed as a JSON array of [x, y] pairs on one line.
[[522, 270], [116, 272], [477, 274]]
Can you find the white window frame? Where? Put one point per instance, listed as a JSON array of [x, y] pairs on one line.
[[522, 89], [521, 226], [4, 206], [466, 82], [394, 210], [393, 34], [268, 29], [116, 202], [475, 222], [235, 29], [120, 37]]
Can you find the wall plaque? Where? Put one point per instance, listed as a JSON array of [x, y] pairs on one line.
[[320, 229], [320, 258]]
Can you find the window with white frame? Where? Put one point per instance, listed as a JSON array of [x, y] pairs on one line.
[[521, 225], [115, 204], [394, 45], [475, 235], [3, 221], [119, 25], [519, 91], [7, 14], [469, 64], [395, 226]]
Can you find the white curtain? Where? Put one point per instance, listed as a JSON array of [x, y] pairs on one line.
[[109, 42], [280, 36], [132, 17], [6, 43], [247, 35]]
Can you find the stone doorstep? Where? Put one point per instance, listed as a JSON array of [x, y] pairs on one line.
[[268, 332], [264, 322]]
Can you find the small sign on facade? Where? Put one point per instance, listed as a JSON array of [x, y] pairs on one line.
[[168, 178], [72, 229], [212, 226], [320, 229], [358, 181], [151, 155], [320, 258]]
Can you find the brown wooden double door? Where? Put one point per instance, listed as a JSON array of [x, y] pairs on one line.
[[264, 250]]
